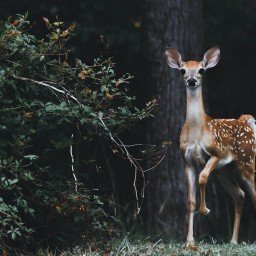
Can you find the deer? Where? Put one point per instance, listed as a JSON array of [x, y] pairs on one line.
[[208, 144]]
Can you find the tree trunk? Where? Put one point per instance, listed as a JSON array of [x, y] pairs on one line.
[[176, 24]]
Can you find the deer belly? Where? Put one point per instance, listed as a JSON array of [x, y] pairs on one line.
[[195, 155], [224, 161]]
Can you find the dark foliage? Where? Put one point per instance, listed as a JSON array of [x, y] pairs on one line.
[[53, 107]]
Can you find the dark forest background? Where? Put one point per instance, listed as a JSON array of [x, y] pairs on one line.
[[136, 33]]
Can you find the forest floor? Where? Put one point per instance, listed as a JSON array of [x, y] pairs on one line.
[[142, 248]]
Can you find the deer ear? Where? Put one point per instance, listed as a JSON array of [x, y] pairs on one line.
[[173, 58], [211, 57]]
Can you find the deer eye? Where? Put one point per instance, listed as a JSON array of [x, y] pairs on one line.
[[183, 71], [201, 71]]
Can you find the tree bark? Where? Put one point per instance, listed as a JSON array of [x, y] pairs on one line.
[[176, 24]]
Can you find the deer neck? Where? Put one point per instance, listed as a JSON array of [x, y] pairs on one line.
[[195, 117]]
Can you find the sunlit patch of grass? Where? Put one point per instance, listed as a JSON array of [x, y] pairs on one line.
[[159, 248], [144, 248]]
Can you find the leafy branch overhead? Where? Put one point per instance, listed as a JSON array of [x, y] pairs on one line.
[[42, 70]]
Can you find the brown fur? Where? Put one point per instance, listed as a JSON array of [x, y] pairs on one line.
[[208, 144], [191, 64], [227, 136]]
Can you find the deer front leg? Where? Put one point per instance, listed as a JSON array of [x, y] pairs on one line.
[[203, 177], [191, 183]]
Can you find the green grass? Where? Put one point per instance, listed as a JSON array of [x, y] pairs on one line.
[[145, 248]]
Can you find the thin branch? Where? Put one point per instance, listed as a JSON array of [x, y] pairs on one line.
[[72, 163], [64, 92], [138, 144], [133, 162], [159, 162], [137, 168]]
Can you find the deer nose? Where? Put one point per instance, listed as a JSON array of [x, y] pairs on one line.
[[191, 82]]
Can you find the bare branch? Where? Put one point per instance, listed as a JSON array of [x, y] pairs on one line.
[[159, 162], [72, 163], [64, 92], [133, 162]]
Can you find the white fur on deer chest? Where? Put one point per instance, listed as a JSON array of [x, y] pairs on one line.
[[196, 153]]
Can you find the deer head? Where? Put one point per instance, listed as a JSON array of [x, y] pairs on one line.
[[192, 71]]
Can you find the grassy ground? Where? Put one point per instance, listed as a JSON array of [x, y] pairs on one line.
[[143, 248]]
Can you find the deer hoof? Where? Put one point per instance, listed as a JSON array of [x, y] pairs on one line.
[[234, 242], [191, 246], [204, 211]]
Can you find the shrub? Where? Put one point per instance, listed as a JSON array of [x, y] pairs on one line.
[[50, 104]]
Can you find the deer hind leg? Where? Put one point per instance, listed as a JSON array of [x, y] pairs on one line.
[[191, 183], [203, 177], [234, 190], [248, 182]]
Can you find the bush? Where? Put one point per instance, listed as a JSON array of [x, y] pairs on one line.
[[51, 103]]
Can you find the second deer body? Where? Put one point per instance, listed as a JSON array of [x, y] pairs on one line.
[[208, 144]]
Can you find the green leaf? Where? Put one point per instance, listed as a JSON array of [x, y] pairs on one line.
[[31, 157]]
